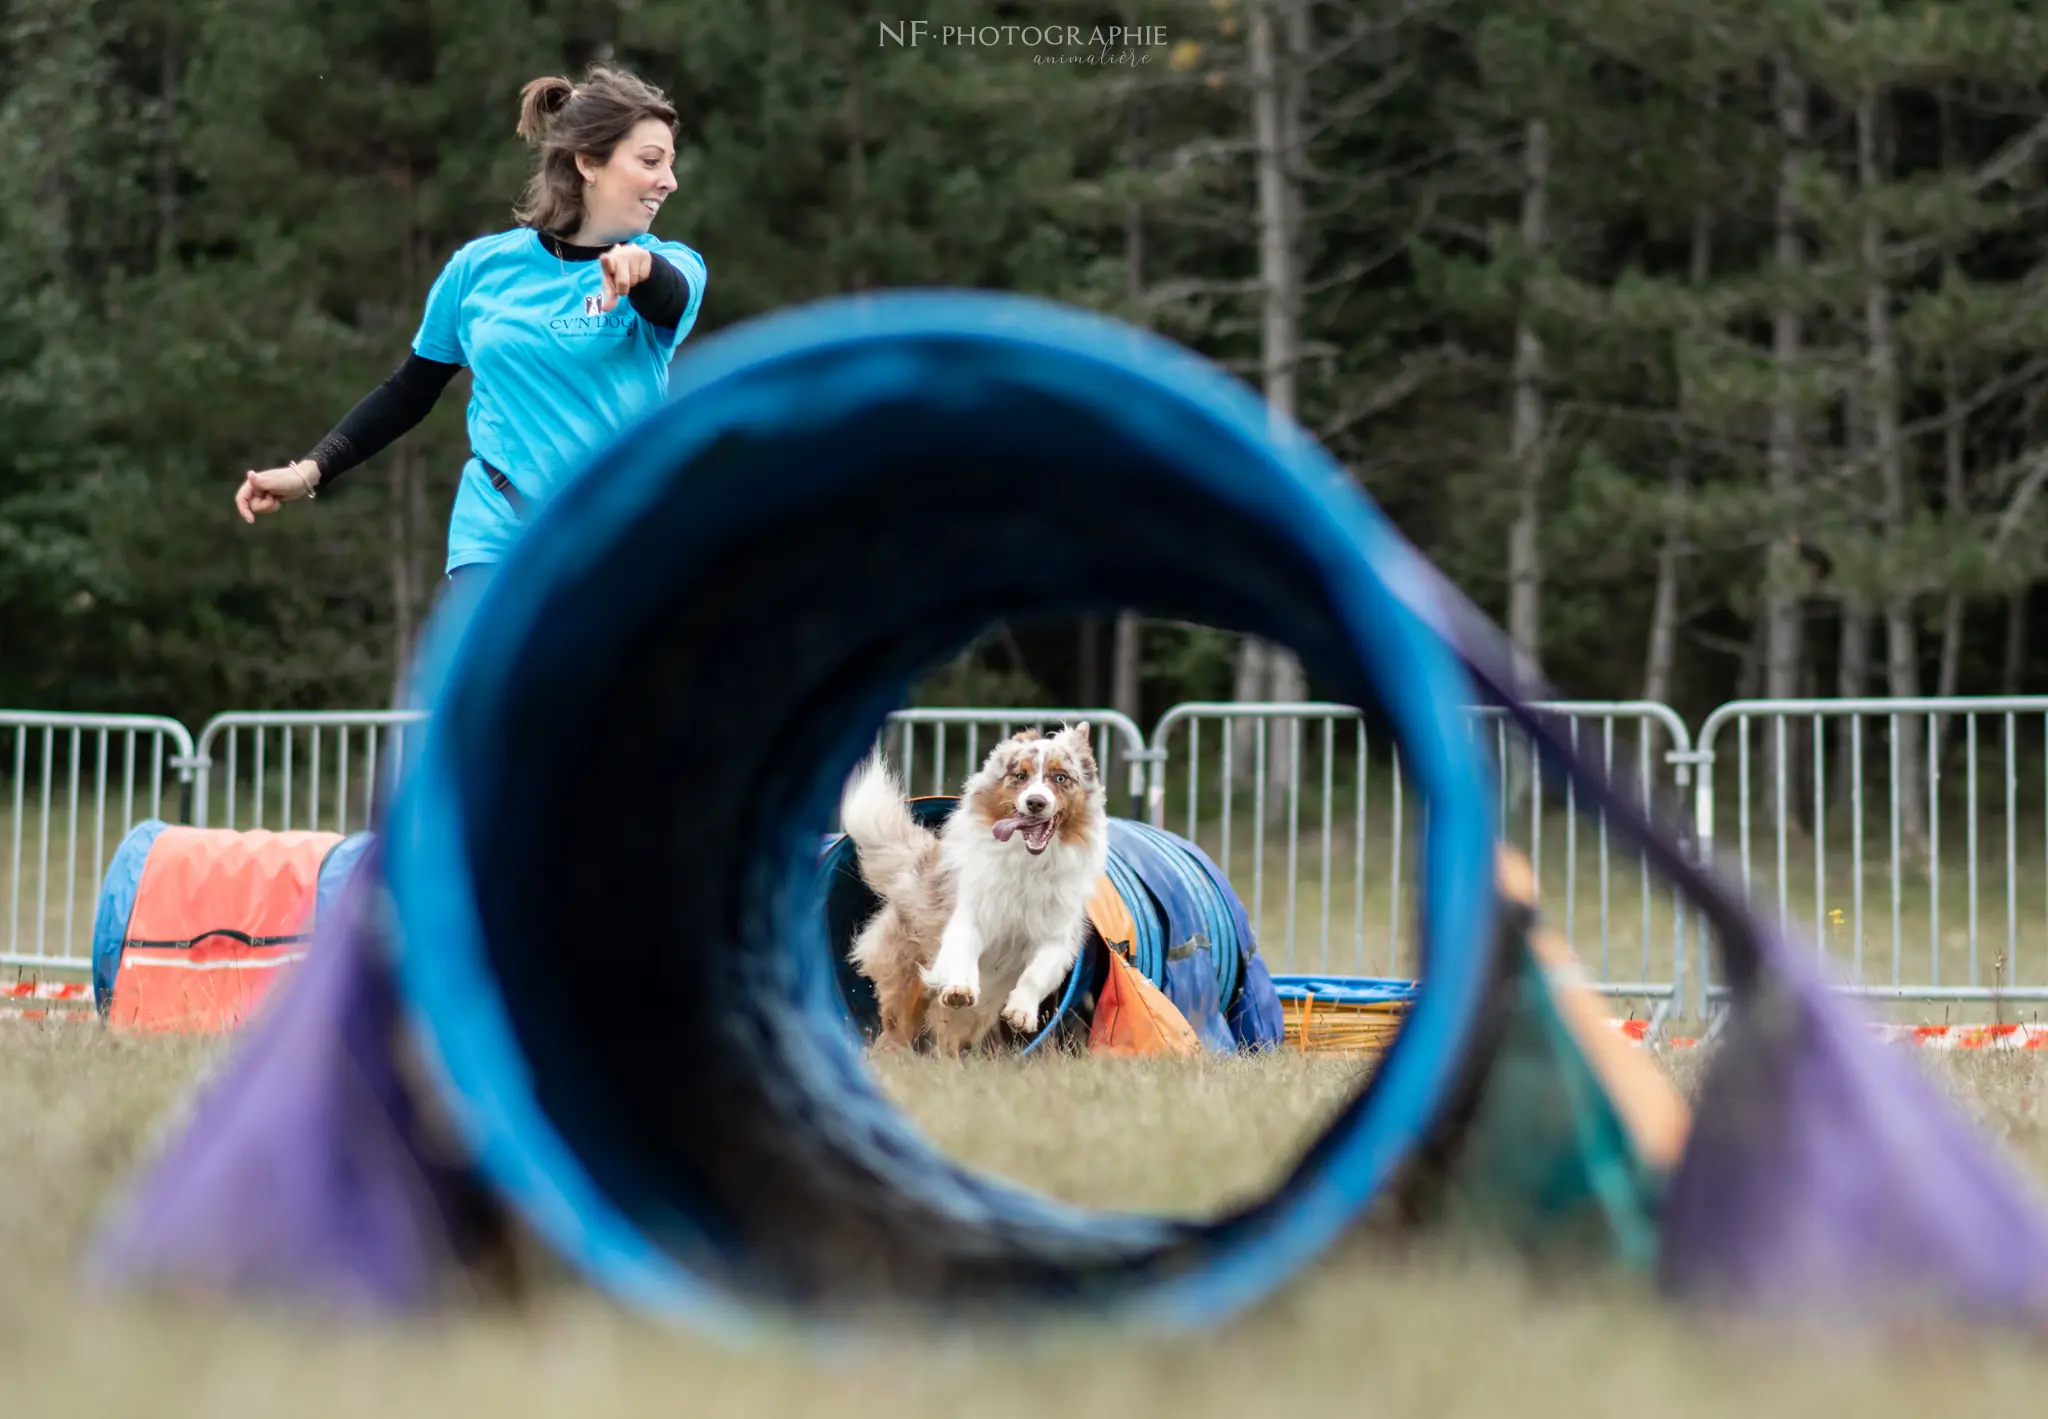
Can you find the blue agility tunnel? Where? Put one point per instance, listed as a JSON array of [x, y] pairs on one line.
[[638, 733], [722, 601], [1190, 937], [733, 690]]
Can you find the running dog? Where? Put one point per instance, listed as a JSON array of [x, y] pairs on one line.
[[984, 918]]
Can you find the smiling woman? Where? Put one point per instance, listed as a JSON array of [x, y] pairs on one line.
[[567, 321]]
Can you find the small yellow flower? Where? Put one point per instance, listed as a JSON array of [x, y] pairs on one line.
[[1186, 55]]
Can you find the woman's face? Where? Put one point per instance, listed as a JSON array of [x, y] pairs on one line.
[[622, 196]]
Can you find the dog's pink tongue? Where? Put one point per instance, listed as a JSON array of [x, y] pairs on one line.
[[1005, 827]]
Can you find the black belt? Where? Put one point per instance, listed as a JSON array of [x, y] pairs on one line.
[[504, 485]]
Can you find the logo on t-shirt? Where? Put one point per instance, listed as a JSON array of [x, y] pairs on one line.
[[617, 322]]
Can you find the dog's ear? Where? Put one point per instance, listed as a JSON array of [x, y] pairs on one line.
[[1005, 753], [1025, 736]]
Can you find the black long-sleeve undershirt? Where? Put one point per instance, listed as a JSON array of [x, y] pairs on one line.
[[383, 415], [397, 406]]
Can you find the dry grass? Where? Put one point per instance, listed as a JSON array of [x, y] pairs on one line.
[[1433, 1332]]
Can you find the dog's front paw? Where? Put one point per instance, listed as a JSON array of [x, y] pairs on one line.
[[1021, 1016], [959, 997]]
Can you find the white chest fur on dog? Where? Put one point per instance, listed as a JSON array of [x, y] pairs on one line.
[[1017, 923]]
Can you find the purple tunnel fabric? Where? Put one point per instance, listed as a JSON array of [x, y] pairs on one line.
[[1827, 1177]]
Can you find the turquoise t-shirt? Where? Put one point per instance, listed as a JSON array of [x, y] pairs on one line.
[[552, 377]]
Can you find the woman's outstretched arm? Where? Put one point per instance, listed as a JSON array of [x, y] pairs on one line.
[[385, 414]]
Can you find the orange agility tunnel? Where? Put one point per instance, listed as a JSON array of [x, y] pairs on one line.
[[194, 925]]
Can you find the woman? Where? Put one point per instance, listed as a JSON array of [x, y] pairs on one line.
[[567, 322]]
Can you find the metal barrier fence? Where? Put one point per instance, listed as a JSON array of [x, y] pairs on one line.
[[328, 768], [1944, 800], [1826, 772], [75, 785], [323, 770], [1346, 913]]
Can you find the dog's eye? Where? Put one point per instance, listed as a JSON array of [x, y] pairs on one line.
[[1059, 779]]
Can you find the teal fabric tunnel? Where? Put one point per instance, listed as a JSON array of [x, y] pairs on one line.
[[722, 608], [639, 729]]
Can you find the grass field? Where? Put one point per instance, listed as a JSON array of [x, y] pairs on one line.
[[1429, 1331]]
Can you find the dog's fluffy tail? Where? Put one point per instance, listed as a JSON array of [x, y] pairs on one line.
[[891, 844]]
